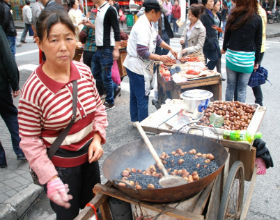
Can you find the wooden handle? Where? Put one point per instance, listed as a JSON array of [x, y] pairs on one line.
[[151, 148]]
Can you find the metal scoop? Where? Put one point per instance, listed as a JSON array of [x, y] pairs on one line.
[[167, 180]]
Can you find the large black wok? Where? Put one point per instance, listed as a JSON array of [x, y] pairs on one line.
[[136, 155]]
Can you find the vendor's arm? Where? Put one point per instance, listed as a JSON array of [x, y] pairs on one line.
[[143, 52], [198, 46], [31, 144], [167, 47]]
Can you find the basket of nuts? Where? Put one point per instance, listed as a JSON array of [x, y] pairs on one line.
[[236, 115]]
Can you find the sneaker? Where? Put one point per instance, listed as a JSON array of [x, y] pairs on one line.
[[108, 106], [117, 92], [21, 157], [134, 124], [22, 41]]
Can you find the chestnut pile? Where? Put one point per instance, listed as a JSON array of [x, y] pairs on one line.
[[237, 115], [190, 165]]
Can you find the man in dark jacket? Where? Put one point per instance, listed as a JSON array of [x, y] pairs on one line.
[[7, 23], [9, 79], [211, 46]]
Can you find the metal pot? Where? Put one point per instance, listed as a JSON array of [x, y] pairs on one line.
[[136, 155], [196, 100]]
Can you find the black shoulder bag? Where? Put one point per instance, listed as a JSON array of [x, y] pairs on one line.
[[60, 138]]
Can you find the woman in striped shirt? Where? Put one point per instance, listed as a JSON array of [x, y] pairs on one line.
[[45, 109], [242, 42]]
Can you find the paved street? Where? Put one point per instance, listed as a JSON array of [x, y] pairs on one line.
[[266, 197]]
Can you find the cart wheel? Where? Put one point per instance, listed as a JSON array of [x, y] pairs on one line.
[[232, 198]]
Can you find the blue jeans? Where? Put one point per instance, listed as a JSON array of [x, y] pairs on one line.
[[12, 43], [103, 62], [175, 26], [9, 114], [138, 99], [25, 30], [236, 84]]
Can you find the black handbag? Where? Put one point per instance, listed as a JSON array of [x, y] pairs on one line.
[[60, 138], [258, 77]]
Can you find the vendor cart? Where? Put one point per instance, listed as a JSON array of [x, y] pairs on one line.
[[223, 198]]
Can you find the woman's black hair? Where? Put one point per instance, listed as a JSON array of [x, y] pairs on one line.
[[49, 18], [150, 5], [197, 10], [71, 3]]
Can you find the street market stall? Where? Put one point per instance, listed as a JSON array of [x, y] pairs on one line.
[[188, 73], [223, 197]]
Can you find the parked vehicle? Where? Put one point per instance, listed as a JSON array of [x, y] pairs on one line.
[[273, 17]]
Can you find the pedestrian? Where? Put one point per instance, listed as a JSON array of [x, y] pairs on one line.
[[107, 38], [141, 47], [217, 20], [224, 15], [265, 5], [76, 16], [36, 9], [52, 5], [242, 50], [7, 23], [211, 47], [167, 6], [45, 109], [257, 90], [176, 14], [87, 37], [9, 86], [165, 32], [27, 19], [194, 34]]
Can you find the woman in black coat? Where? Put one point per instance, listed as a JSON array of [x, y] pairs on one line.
[[211, 48]]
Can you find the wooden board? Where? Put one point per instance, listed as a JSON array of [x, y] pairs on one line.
[[160, 208], [172, 90]]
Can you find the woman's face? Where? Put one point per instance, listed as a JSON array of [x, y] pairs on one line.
[[59, 47], [191, 17], [76, 5], [155, 15], [217, 6], [210, 4]]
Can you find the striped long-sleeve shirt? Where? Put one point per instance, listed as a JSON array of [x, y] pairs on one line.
[[45, 109]]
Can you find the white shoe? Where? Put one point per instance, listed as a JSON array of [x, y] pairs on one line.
[[134, 123]]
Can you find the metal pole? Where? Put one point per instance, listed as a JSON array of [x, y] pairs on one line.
[[86, 7]]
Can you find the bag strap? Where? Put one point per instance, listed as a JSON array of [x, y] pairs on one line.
[[58, 141]]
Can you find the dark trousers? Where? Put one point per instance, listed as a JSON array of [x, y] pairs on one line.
[[12, 43], [25, 30], [166, 39], [9, 114], [81, 180], [211, 58], [138, 99], [103, 62], [257, 90], [175, 26], [87, 58]]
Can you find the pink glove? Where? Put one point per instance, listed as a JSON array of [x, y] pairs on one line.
[[57, 192]]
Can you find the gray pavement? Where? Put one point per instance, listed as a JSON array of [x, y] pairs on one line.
[[17, 193]]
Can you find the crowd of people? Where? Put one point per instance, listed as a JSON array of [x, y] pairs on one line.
[[46, 104]]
